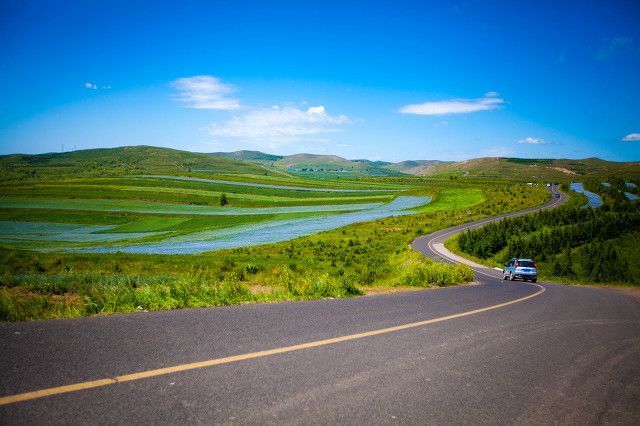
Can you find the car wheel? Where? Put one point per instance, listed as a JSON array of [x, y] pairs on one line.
[[504, 276], [534, 280]]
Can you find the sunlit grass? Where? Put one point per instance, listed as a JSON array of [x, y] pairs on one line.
[[336, 263]]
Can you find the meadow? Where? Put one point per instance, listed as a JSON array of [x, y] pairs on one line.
[[83, 244]]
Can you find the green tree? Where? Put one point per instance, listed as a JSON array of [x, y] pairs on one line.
[[223, 199]]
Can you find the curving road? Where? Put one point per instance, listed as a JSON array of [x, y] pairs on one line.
[[496, 352]]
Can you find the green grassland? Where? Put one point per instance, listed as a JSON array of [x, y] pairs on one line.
[[338, 263], [124, 194], [454, 199]]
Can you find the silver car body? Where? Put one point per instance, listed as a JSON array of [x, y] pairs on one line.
[[523, 269]]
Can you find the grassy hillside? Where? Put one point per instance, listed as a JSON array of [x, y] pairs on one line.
[[330, 165], [554, 169], [253, 156], [128, 160], [372, 163], [414, 167]]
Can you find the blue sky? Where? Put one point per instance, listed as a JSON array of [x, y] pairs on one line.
[[379, 80]]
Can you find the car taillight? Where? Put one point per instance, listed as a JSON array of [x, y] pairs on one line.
[[517, 263], [534, 263]]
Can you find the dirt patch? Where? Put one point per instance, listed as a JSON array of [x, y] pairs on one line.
[[564, 170], [260, 289]]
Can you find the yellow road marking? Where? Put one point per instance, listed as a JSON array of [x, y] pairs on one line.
[[11, 399]]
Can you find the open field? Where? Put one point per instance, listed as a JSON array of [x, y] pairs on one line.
[[86, 245]]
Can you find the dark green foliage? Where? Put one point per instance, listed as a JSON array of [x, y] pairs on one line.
[[547, 233], [571, 242], [601, 262], [223, 199], [530, 160]]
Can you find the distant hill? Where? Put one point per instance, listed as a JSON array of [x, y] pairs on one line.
[[330, 165], [317, 165], [372, 163], [535, 168], [131, 160], [127, 160], [255, 156], [414, 167]]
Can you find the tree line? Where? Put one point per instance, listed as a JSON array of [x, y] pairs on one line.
[[547, 233], [573, 242]]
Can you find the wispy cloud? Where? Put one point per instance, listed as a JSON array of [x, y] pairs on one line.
[[615, 46], [94, 86], [532, 141], [279, 125], [205, 92], [490, 101], [632, 137]]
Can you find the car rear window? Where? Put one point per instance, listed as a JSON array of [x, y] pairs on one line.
[[526, 264]]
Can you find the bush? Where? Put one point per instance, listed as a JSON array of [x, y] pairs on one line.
[[418, 271]]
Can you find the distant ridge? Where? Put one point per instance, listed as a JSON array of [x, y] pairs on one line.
[[249, 155], [132, 160], [125, 160], [540, 168], [331, 164]]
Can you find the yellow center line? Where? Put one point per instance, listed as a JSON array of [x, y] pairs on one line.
[[11, 399]]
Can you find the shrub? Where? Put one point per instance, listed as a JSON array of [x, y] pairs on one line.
[[418, 271]]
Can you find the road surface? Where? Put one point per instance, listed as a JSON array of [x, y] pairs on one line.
[[495, 352]]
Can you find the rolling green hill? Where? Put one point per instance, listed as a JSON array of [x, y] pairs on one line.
[[253, 156], [557, 169], [331, 165], [314, 164], [414, 167], [127, 160], [134, 160]]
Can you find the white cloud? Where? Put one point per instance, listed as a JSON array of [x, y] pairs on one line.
[[205, 92], [532, 141], [616, 46], [279, 125], [454, 106], [632, 137]]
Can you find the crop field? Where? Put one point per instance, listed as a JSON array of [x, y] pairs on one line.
[[85, 245]]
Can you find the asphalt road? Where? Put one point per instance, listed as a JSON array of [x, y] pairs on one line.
[[567, 355]]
